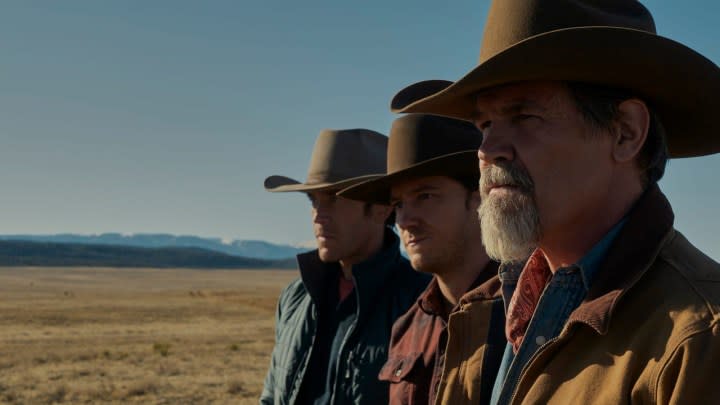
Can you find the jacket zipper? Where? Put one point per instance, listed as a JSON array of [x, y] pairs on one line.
[[527, 365], [305, 362], [349, 360], [342, 346]]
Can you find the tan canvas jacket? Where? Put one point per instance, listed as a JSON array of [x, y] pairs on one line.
[[647, 333]]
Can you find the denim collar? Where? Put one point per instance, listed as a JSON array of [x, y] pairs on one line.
[[590, 263]]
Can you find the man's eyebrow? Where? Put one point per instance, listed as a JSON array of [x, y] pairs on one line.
[[514, 107], [424, 187], [419, 189]]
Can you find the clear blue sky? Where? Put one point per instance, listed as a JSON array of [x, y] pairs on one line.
[[166, 115]]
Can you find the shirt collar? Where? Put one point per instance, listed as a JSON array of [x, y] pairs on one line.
[[590, 263], [431, 300]]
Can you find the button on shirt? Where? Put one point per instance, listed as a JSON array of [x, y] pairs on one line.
[[564, 292]]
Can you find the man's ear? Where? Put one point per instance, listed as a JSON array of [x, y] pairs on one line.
[[381, 213], [475, 196], [632, 129], [473, 200]]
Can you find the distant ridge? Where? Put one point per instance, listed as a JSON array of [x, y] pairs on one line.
[[246, 248], [28, 253]]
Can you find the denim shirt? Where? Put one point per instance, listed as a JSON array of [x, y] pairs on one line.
[[566, 289]]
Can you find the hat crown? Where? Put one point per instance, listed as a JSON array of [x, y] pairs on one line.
[[512, 21], [415, 138], [340, 155]]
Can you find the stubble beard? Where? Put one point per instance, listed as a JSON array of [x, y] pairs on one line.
[[510, 222], [440, 260]]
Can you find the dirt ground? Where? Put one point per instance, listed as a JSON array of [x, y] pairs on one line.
[[150, 336]]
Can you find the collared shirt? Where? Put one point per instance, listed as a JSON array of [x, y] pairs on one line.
[[417, 348], [564, 292]]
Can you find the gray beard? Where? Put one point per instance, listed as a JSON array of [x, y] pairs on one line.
[[510, 226]]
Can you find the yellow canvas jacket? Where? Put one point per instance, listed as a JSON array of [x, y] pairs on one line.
[[475, 344]]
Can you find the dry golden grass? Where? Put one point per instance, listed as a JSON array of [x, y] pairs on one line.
[[162, 336]]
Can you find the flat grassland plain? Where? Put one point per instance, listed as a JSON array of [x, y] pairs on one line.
[[122, 335]]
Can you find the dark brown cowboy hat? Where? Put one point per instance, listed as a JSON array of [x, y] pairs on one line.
[[423, 145], [340, 159], [603, 42]]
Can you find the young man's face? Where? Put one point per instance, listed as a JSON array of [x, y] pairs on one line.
[[544, 169], [343, 227], [438, 222]]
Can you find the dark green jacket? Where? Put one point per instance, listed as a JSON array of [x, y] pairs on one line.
[[386, 286]]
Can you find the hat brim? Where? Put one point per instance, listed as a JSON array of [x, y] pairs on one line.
[[378, 191], [678, 82], [282, 184]]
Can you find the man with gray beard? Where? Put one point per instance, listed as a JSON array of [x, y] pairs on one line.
[[512, 222], [581, 103]]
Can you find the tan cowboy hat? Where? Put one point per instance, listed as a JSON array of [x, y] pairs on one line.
[[340, 159], [423, 145], [604, 42]]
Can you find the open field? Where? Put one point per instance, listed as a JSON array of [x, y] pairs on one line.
[[104, 335]]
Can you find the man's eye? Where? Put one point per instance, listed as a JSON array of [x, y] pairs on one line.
[[424, 196], [522, 117], [481, 125], [396, 204]]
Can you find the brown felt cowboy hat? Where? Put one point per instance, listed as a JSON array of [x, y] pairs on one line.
[[423, 145], [340, 159], [603, 42]]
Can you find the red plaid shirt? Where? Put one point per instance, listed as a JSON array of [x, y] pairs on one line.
[[417, 347]]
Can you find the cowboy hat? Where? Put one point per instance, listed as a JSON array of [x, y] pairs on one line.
[[423, 145], [340, 159], [604, 42]]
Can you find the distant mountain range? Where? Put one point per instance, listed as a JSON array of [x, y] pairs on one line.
[[35, 253], [254, 249]]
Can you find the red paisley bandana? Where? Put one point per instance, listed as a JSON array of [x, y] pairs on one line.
[[531, 284]]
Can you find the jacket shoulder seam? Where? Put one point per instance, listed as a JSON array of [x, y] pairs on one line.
[[663, 365], [711, 311]]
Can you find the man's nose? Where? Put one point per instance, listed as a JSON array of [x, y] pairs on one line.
[[496, 146], [321, 216], [406, 217]]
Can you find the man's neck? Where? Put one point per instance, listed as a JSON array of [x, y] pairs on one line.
[[568, 244], [457, 281], [346, 269], [370, 250]]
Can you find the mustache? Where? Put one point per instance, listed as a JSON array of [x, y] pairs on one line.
[[505, 174]]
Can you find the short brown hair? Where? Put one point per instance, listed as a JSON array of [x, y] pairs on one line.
[[389, 221], [470, 182], [599, 106]]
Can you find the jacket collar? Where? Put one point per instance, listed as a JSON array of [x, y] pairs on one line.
[[431, 301], [369, 276], [648, 226], [486, 286]]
